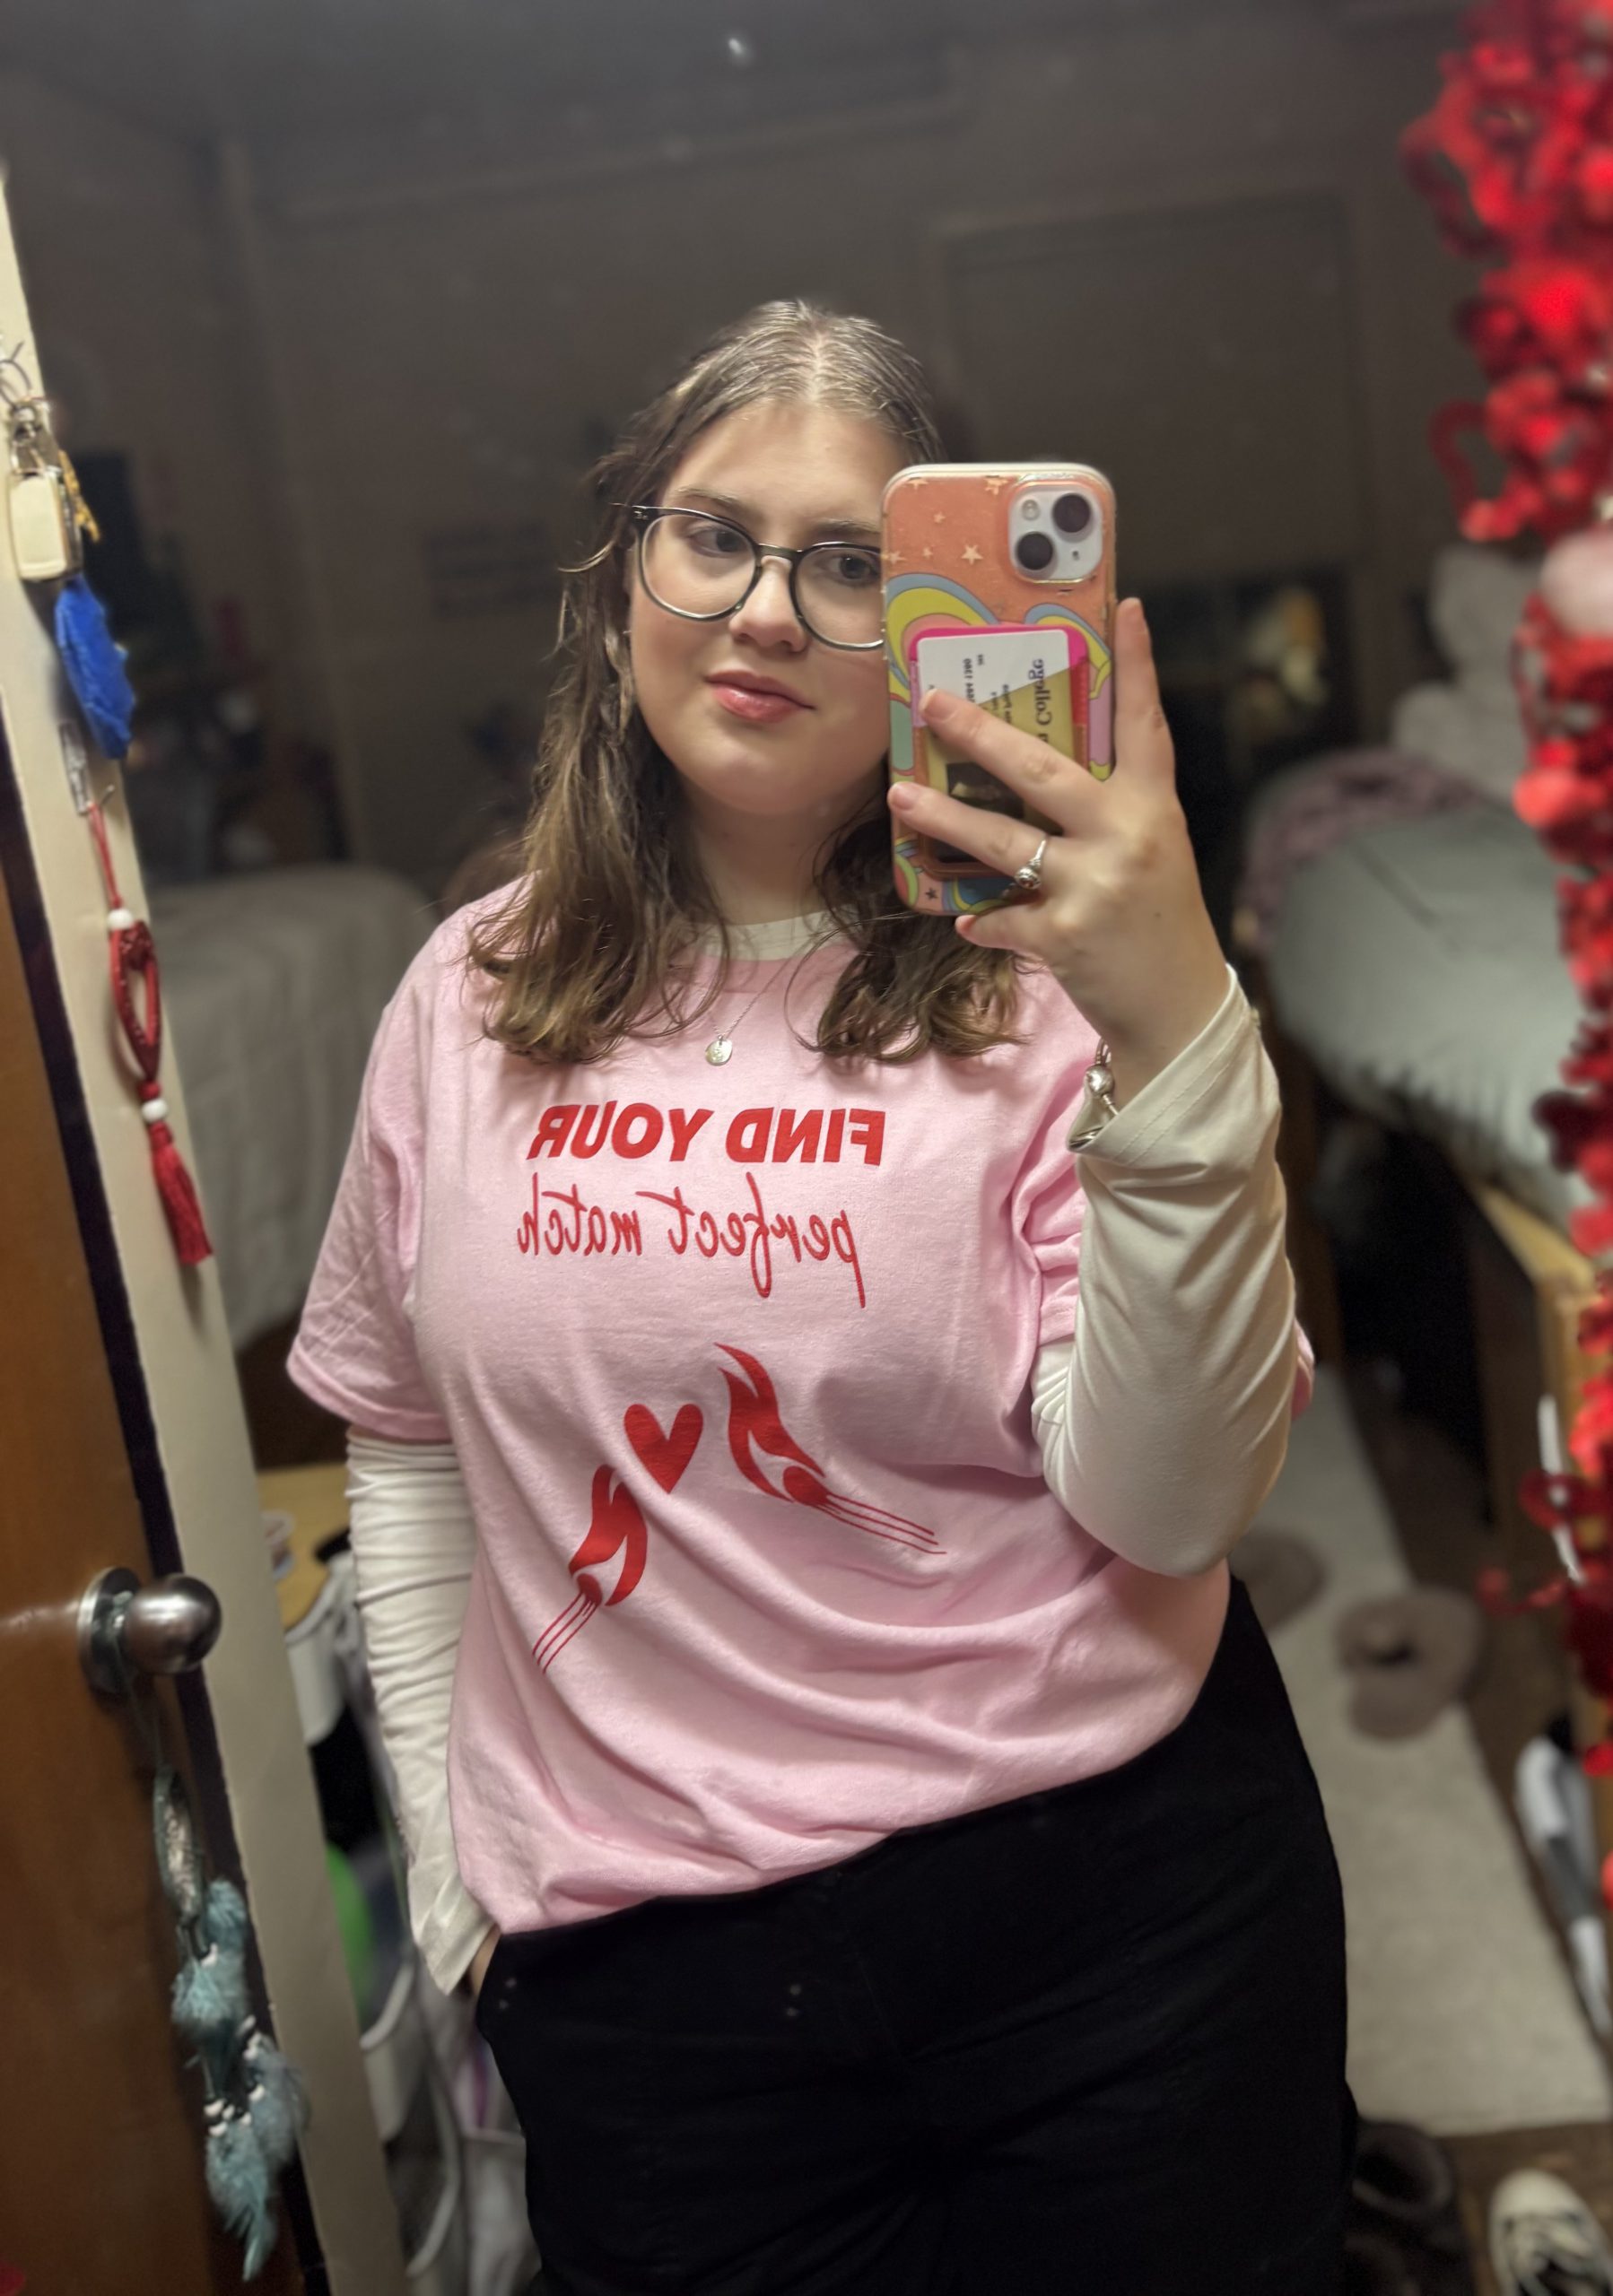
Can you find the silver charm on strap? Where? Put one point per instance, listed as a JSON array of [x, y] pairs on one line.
[[1097, 1107]]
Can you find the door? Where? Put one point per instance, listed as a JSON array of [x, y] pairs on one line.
[[122, 1442], [100, 2157]]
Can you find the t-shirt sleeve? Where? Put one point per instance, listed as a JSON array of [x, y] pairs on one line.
[[1048, 1205], [354, 1351]]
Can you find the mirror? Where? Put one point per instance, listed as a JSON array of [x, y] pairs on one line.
[[340, 313]]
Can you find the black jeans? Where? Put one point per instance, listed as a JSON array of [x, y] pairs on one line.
[[1091, 2041]]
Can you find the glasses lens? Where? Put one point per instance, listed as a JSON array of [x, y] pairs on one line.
[[839, 589], [695, 564]]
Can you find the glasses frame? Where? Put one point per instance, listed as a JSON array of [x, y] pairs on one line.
[[645, 514]]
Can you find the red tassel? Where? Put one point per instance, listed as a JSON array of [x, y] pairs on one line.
[[132, 955], [180, 1201]]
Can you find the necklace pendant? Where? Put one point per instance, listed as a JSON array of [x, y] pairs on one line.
[[719, 1050]]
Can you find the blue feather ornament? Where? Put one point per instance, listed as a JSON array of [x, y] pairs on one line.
[[210, 1996], [276, 2102], [240, 2182], [93, 662], [224, 1920]]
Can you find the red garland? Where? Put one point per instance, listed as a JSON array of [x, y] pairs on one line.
[[1516, 157], [134, 957]]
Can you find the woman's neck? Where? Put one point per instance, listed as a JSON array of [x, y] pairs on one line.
[[761, 872]]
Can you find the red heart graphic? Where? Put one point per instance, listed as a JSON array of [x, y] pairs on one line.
[[666, 1455]]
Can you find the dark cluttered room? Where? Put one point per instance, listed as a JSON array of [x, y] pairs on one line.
[[1005, 620]]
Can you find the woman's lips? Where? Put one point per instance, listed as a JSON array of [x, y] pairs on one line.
[[756, 709]]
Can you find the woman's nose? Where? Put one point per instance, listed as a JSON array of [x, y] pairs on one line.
[[768, 615]]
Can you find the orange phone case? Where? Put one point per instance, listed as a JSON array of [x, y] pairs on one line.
[[949, 571]]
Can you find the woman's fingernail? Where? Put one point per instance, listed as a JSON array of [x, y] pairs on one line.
[[902, 797], [936, 698]]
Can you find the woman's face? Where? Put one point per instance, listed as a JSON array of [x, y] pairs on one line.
[[808, 762]]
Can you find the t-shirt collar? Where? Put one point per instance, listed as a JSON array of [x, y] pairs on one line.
[[782, 936]]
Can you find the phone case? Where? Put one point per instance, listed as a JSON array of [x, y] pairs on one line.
[[949, 573]]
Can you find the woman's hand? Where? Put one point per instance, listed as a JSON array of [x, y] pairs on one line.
[[478, 1968], [1120, 920]]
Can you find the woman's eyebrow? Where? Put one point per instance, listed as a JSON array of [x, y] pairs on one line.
[[746, 514]]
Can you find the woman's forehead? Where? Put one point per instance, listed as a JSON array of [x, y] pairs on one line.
[[811, 463]]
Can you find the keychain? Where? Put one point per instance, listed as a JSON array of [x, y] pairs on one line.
[[49, 517]]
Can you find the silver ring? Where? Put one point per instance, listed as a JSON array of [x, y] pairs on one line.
[[1029, 878]]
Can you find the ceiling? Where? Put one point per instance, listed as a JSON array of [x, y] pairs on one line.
[[270, 67], [266, 69]]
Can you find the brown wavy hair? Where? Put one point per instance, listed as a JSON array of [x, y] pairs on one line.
[[590, 947]]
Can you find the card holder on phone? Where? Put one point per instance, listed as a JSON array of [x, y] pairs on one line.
[[1035, 678]]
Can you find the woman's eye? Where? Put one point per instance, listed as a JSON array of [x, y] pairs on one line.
[[854, 569], [713, 541]]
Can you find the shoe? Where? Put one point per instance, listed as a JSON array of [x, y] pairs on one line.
[[1372, 2268], [1403, 2191], [1544, 2242], [1402, 2178]]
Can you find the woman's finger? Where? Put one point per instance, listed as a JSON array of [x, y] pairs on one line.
[[1053, 784], [997, 840], [1142, 739]]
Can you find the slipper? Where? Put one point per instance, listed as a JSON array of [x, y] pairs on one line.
[[1403, 2191], [1403, 2175], [1411, 1655], [1282, 1573], [1373, 2267]]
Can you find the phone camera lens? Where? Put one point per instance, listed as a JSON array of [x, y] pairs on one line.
[[1033, 552], [1072, 514]]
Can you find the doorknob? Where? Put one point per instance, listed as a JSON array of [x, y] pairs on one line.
[[125, 1629]]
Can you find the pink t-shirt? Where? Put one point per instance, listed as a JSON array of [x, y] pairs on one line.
[[735, 1360]]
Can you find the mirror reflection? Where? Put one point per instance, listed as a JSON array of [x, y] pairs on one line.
[[826, 796]]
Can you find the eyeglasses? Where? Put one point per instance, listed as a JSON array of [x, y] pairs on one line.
[[704, 567]]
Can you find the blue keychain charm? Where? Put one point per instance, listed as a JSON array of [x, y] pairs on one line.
[[93, 662]]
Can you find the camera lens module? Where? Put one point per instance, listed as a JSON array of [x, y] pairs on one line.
[[1033, 552], [1072, 514]]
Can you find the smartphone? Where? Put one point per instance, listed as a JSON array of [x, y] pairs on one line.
[[1000, 585]]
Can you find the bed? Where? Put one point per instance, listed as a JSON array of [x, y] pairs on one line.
[[1416, 962], [1406, 919], [273, 983]]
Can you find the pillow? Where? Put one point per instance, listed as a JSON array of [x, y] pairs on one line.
[[1470, 731], [1475, 601]]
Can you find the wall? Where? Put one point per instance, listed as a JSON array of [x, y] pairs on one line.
[[458, 309], [465, 314], [135, 305]]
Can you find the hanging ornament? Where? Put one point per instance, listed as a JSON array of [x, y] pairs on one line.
[[49, 519], [239, 2181], [254, 2107], [137, 995], [94, 666], [1576, 583]]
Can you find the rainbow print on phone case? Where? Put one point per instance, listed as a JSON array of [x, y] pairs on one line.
[[949, 574]]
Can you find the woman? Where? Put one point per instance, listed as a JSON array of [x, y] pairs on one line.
[[869, 1811]]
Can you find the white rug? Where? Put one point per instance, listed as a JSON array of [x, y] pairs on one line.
[[1462, 2015]]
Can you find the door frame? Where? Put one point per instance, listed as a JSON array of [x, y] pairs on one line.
[[173, 1372]]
